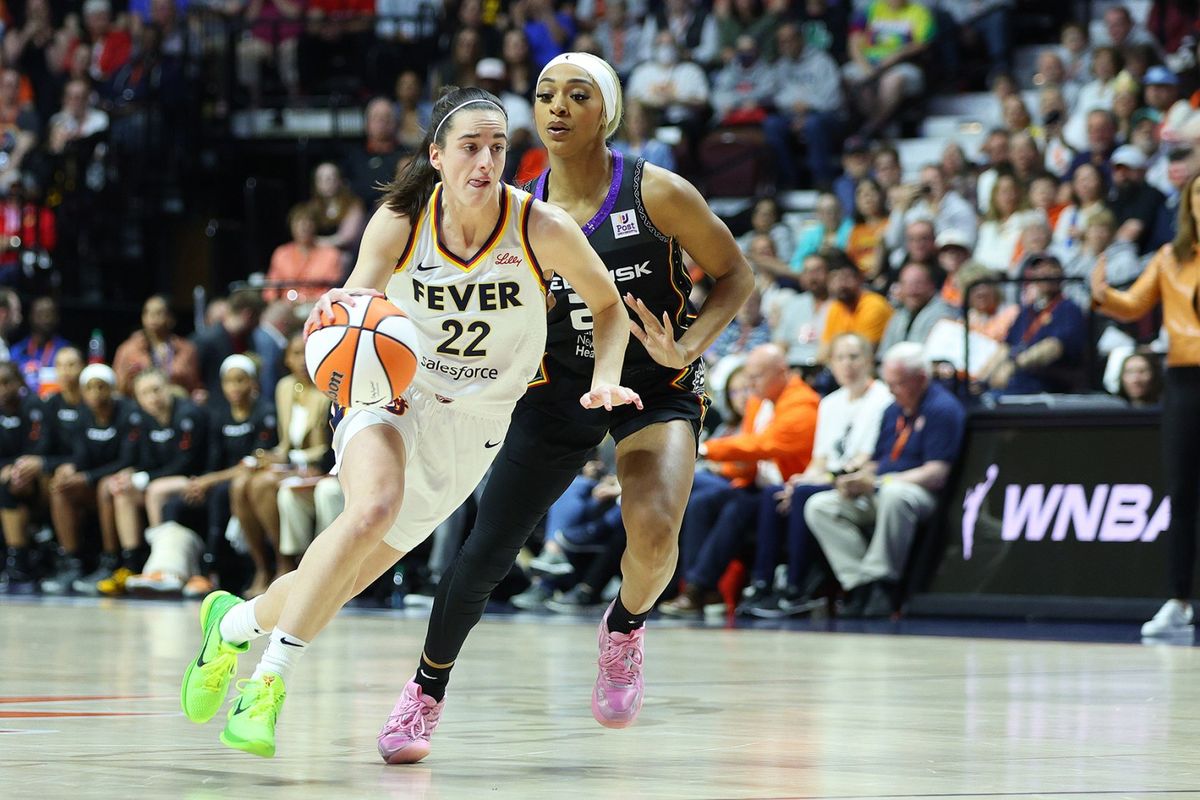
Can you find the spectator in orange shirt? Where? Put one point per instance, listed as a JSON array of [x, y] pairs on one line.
[[155, 345], [777, 435], [303, 260], [853, 310]]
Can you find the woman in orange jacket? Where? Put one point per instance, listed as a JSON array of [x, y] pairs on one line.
[[1172, 277]]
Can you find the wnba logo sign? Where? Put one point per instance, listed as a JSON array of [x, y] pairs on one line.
[[1118, 512], [624, 224]]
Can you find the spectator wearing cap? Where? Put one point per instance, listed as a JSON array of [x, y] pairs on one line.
[[856, 165], [1145, 133], [932, 199], [854, 309], [921, 306], [1162, 95], [953, 249], [1140, 209], [810, 101], [1045, 345], [1101, 250]]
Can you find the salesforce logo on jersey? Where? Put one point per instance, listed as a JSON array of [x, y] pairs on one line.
[[624, 224]]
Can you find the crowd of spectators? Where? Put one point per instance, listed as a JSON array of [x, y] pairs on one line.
[[840, 389]]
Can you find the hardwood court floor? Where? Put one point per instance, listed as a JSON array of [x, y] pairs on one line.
[[89, 709]]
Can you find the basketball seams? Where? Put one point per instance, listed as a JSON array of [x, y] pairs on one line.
[[379, 357], [348, 348]]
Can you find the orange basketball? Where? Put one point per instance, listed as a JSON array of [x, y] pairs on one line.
[[366, 357]]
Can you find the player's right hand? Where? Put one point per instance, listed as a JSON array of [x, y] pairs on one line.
[[608, 396], [322, 312]]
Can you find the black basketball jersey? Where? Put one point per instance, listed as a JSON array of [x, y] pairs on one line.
[[644, 262], [229, 440], [64, 424]]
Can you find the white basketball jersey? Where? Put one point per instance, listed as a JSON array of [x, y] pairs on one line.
[[482, 322]]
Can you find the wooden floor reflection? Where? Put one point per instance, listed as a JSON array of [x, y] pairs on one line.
[[89, 709]]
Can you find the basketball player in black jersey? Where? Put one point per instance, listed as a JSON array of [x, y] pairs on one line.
[[638, 217]]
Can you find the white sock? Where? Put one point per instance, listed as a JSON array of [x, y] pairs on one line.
[[239, 625], [282, 655]]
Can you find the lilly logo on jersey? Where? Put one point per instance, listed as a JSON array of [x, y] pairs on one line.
[[624, 224], [507, 258]]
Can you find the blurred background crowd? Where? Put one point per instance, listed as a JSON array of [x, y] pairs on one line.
[[925, 190]]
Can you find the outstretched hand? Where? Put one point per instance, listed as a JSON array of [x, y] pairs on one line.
[[608, 396], [322, 313], [658, 337]]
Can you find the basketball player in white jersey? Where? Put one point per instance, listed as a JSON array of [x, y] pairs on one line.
[[468, 259]]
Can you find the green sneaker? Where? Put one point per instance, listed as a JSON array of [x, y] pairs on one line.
[[206, 681], [251, 725]]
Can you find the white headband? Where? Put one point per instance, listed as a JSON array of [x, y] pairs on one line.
[[450, 113], [239, 361], [605, 79], [98, 372]]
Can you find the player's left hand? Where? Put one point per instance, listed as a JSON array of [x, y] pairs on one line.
[[609, 395], [658, 337]]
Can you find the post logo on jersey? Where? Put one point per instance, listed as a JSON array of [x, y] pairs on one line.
[[624, 224]]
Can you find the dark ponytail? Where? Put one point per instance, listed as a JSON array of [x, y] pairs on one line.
[[413, 185]]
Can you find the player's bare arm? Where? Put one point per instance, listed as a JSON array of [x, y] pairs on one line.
[[677, 209], [383, 243]]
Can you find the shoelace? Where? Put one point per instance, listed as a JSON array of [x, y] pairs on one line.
[[621, 660], [266, 703], [413, 717], [217, 670]]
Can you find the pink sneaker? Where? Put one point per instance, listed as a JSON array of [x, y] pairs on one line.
[[405, 736], [617, 698]]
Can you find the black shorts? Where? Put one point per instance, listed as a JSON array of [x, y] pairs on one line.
[[550, 427]]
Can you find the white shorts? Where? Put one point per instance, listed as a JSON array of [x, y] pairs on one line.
[[447, 453]]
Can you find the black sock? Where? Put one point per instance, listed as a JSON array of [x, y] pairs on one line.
[[622, 620], [432, 680]]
